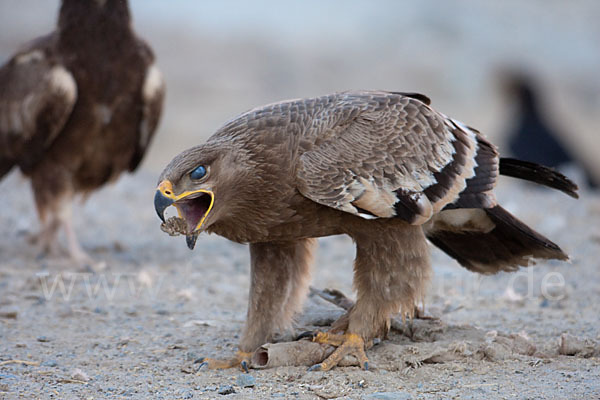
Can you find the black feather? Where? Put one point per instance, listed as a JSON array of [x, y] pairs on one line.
[[539, 174]]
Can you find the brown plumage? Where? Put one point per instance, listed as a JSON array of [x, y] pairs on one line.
[[381, 167], [77, 108]]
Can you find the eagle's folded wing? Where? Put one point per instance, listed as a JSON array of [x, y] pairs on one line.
[[37, 95], [397, 157]]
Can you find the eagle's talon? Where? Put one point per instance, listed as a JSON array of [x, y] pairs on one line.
[[349, 343], [244, 365], [202, 364], [241, 361], [316, 367], [307, 335]]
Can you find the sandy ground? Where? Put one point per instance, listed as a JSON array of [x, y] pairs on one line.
[[133, 329]]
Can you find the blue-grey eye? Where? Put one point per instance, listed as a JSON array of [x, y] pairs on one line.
[[198, 173]]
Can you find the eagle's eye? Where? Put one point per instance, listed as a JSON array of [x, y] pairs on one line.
[[199, 172]]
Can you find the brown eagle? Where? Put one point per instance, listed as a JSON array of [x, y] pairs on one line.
[[77, 108], [382, 167]]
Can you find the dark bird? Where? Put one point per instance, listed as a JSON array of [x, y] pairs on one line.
[[532, 137], [77, 108], [382, 167]]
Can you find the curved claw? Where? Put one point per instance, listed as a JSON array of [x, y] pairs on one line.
[[316, 367], [308, 335], [241, 360], [349, 343], [244, 365], [202, 364]]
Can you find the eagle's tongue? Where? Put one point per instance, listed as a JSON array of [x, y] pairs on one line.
[[193, 210]]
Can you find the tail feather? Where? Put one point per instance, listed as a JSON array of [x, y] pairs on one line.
[[539, 174], [508, 245]]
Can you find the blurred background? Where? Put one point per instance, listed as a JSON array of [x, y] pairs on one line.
[[480, 62]]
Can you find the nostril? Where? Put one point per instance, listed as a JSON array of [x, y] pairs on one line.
[[167, 192]]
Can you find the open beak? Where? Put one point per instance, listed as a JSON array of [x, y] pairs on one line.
[[192, 206]]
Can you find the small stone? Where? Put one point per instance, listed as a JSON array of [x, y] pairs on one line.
[[245, 380], [130, 311], [43, 339], [100, 310], [50, 363], [574, 346], [9, 313], [224, 390], [79, 375], [388, 396]]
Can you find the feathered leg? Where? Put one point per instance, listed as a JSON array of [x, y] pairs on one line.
[[390, 273], [280, 273], [54, 205], [48, 204]]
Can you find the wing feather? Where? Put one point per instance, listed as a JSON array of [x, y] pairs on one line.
[[396, 157], [153, 94], [37, 95]]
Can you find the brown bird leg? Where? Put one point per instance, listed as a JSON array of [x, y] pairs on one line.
[[280, 276], [76, 252], [54, 210], [47, 237], [390, 272]]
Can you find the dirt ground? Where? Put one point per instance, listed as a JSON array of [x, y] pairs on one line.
[[131, 326]]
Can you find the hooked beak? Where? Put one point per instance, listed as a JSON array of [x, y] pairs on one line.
[[163, 199], [192, 206]]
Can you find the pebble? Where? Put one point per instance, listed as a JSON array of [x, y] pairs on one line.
[[226, 390], [100, 310], [79, 375], [49, 363], [245, 380], [388, 396], [43, 339], [9, 313]]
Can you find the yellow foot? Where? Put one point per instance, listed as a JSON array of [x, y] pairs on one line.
[[241, 360], [349, 343]]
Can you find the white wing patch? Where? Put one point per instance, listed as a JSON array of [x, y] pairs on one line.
[[153, 83], [379, 201], [62, 81], [461, 220]]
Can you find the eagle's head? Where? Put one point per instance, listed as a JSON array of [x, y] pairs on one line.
[[201, 183]]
